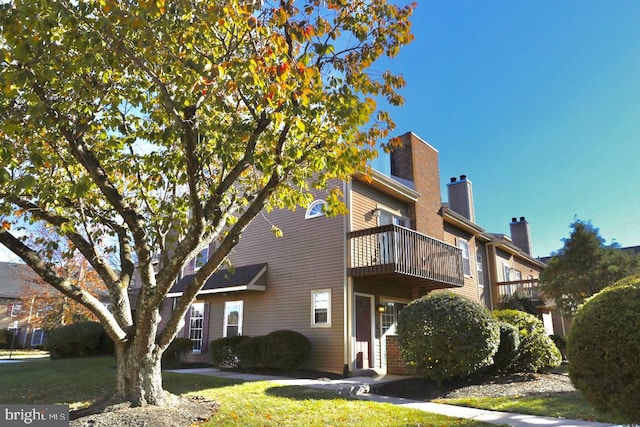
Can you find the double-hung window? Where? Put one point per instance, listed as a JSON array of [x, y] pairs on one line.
[[233, 318], [480, 269], [321, 308], [466, 261]]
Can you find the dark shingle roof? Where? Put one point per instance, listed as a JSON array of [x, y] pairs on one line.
[[239, 279]]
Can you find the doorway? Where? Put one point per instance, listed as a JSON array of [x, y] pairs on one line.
[[364, 331]]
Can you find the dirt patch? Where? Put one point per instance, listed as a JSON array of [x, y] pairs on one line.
[[521, 384], [182, 412]]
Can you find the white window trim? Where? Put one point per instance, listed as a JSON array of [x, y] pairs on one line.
[[16, 309], [313, 309], [384, 300], [33, 336], [465, 242], [311, 209], [199, 303], [396, 216], [227, 305], [480, 270]]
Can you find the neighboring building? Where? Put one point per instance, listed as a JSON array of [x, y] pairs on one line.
[[341, 281], [13, 278]]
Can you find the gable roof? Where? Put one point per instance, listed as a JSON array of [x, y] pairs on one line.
[[243, 278], [13, 277]]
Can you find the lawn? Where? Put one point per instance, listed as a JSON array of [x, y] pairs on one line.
[[565, 405], [78, 382]]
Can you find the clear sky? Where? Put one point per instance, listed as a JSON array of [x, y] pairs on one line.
[[538, 103]]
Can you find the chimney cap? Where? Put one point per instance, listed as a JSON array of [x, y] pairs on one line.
[[463, 177], [453, 179], [521, 219], [514, 219]]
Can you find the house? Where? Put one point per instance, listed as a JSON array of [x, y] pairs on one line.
[[14, 311], [341, 281]]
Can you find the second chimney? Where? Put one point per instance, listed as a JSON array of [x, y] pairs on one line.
[[461, 197], [520, 234]]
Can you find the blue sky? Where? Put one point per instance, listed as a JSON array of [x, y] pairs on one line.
[[538, 103]]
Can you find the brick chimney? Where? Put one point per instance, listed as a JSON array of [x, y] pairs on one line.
[[520, 234], [417, 161], [461, 197]]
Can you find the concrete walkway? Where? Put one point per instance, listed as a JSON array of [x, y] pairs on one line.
[[359, 388]]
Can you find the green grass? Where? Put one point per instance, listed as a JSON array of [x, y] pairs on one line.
[[78, 382], [22, 353], [565, 405]]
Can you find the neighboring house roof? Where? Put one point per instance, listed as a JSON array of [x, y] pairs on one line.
[[13, 277], [243, 278]]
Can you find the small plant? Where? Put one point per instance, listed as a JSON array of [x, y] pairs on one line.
[[536, 351], [446, 335], [248, 352], [508, 350], [174, 354], [223, 351], [284, 349], [82, 339], [603, 348]]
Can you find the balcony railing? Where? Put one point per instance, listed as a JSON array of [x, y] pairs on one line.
[[399, 250], [527, 287]]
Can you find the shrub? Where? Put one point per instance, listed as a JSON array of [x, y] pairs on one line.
[[248, 352], [284, 349], [7, 338], [223, 351], [82, 339], [561, 343], [537, 351], [519, 301], [603, 349], [445, 335], [509, 348], [173, 355]]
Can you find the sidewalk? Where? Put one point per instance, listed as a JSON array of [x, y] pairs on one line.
[[359, 387]]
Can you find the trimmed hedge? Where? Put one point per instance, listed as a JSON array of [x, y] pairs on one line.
[[603, 348], [445, 335], [508, 350], [173, 355], [537, 351], [223, 351], [248, 352], [284, 349], [81, 339], [7, 337]]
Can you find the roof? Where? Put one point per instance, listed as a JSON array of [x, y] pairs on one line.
[[243, 278], [13, 277]]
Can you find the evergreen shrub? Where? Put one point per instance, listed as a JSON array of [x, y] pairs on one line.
[[445, 335], [508, 349], [223, 351], [174, 354], [81, 339], [248, 352], [537, 351], [603, 349], [284, 349]]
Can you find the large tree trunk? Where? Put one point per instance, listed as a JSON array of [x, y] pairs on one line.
[[139, 375]]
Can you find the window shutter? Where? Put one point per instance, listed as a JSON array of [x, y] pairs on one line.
[[205, 328], [187, 323]]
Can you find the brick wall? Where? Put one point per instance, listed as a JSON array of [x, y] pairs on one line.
[[395, 364]]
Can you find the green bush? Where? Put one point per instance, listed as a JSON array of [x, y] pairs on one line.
[[284, 349], [445, 335], [82, 339], [519, 301], [174, 354], [223, 351], [603, 349], [509, 348], [561, 343], [537, 351], [248, 352], [7, 338]]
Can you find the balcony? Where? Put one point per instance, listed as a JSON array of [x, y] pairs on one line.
[[527, 287], [398, 253]]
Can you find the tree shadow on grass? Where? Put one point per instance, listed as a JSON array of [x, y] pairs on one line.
[[187, 383], [298, 392]]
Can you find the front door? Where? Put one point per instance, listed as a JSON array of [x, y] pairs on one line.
[[364, 354]]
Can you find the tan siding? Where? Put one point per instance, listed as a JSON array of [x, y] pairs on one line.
[[470, 288], [309, 256], [365, 199]]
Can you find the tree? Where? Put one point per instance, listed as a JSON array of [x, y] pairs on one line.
[[584, 266], [160, 127]]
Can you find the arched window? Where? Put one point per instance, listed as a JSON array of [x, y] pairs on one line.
[[315, 209]]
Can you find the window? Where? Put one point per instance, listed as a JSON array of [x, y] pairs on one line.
[[37, 337], [202, 258], [389, 317], [515, 275], [16, 309], [479, 268], [466, 262], [196, 326], [321, 308], [232, 318], [506, 272], [316, 209]]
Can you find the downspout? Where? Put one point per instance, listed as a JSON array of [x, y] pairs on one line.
[[493, 276]]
